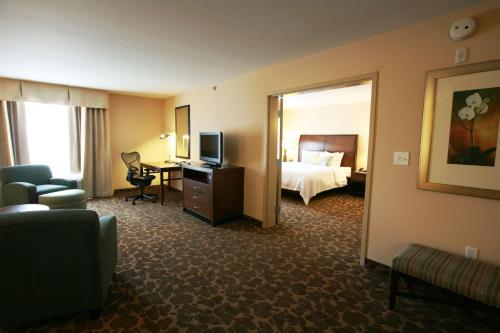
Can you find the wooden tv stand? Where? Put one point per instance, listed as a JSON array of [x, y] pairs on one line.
[[213, 194]]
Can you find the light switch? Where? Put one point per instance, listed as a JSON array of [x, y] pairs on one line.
[[461, 55], [401, 158]]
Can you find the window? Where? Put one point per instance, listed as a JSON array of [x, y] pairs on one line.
[[48, 133]]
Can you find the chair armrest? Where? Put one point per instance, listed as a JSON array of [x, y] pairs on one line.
[[108, 252], [70, 183], [108, 229], [18, 193]]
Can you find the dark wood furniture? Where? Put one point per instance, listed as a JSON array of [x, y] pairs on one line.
[[346, 143], [214, 194], [356, 183], [22, 208], [161, 168]]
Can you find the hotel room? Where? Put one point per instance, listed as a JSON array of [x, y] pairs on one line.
[[149, 155]]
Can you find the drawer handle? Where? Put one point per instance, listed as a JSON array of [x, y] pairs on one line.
[[196, 187], [196, 207], [195, 197]]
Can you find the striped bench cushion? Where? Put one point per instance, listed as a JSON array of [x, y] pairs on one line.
[[464, 276]]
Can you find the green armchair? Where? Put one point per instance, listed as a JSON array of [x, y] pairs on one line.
[[54, 263], [22, 184]]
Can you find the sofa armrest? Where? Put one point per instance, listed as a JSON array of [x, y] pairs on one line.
[[19, 193], [108, 252], [70, 183]]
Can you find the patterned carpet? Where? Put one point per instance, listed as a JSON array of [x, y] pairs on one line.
[[177, 274]]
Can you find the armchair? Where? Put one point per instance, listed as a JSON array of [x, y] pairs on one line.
[[22, 184], [54, 263]]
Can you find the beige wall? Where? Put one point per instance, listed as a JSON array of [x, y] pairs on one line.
[[400, 213], [136, 124], [351, 118]]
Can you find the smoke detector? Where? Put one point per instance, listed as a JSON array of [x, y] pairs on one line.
[[462, 29]]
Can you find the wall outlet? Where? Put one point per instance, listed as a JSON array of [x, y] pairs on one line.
[[471, 252], [401, 158]]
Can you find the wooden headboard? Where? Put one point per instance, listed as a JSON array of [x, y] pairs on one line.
[[347, 143]]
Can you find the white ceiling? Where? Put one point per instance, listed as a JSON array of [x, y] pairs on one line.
[[164, 47], [337, 96]]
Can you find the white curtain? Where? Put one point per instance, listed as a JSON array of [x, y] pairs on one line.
[[97, 153], [75, 140], [18, 135], [5, 151]]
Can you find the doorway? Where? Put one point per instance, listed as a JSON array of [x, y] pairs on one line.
[[276, 145]]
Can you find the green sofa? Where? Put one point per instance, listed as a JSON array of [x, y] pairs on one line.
[[54, 263], [22, 184]]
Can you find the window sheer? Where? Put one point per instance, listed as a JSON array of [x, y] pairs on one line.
[[48, 133]]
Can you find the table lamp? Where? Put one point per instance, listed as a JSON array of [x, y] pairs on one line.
[[165, 137]]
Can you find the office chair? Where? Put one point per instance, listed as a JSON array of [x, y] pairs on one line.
[[136, 178]]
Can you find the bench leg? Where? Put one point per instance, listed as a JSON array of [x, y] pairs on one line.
[[409, 284], [394, 289]]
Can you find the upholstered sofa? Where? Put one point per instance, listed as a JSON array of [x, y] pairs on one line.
[[22, 184], [54, 263]]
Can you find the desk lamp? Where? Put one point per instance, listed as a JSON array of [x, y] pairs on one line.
[[163, 137]]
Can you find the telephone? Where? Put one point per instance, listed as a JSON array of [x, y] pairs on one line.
[[362, 170]]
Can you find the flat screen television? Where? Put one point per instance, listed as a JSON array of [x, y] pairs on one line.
[[211, 149]]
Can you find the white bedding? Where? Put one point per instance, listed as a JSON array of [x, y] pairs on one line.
[[310, 179]]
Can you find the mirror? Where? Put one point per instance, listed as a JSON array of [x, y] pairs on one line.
[[182, 127]]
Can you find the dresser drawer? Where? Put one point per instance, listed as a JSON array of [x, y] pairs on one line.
[[194, 186], [197, 206], [197, 197]]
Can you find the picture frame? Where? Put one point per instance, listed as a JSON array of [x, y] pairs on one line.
[[461, 131]]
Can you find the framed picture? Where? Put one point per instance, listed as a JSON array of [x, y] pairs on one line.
[[460, 131]]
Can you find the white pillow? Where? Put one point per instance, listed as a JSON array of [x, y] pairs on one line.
[[317, 160], [314, 157], [306, 154], [334, 160]]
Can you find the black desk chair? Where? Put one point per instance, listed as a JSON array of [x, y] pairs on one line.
[[136, 177]]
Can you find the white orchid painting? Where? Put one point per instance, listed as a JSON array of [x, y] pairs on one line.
[[474, 127]]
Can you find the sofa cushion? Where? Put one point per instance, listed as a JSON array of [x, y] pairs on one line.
[[28, 173], [66, 199], [49, 188]]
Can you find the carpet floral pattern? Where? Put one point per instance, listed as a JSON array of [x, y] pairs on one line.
[[178, 274]]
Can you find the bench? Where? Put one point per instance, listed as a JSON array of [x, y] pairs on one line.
[[473, 279]]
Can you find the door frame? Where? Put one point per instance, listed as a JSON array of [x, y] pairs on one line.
[[273, 167]]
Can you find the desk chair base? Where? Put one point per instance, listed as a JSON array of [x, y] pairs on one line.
[[142, 197]]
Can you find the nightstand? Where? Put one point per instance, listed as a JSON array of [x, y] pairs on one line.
[[356, 183]]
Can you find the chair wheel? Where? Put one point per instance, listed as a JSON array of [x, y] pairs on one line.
[[126, 199], [153, 201], [133, 202]]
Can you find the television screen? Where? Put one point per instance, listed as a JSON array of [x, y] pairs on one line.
[[211, 147]]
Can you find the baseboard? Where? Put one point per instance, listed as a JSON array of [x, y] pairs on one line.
[[375, 265], [252, 219], [155, 188]]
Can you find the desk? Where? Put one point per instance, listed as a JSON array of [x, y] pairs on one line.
[[161, 167]]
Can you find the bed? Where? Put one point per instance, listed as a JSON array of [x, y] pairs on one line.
[[309, 179]]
